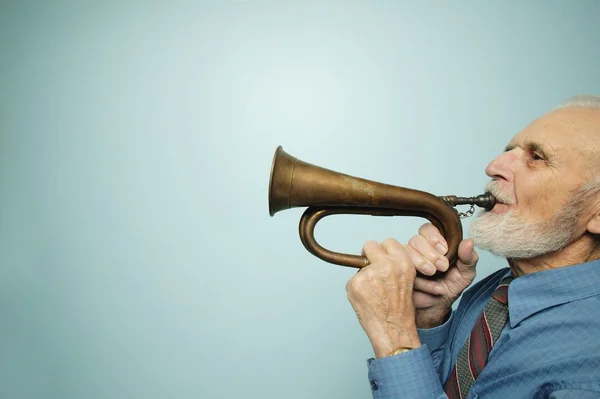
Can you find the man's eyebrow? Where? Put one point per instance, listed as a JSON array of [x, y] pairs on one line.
[[537, 147], [529, 146]]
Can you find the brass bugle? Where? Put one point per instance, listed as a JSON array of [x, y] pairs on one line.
[[295, 183]]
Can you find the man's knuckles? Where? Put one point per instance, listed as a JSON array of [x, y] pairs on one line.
[[371, 246], [429, 231], [389, 262], [353, 285], [362, 286], [432, 235], [391, 245]]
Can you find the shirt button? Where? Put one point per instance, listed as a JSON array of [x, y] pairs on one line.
[[374, 385]]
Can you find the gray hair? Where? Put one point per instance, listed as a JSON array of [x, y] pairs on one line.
[[583, 100]]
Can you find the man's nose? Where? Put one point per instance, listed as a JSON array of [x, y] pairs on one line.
[[502, 166]]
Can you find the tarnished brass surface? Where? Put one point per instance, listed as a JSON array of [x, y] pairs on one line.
[[295, 183]]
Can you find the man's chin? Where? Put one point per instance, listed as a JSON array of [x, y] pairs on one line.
[[507, 236]]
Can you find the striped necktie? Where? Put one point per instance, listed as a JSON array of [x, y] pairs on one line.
[[474, 353]]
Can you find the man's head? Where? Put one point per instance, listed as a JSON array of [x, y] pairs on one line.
[[547, 183]]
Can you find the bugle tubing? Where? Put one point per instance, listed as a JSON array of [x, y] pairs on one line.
[[295, 183]]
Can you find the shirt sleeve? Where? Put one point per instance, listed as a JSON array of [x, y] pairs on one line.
[[435, 339], [582, 388], [407, 375], [574, 394]]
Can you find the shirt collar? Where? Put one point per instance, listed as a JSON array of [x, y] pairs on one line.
[[535, 292]]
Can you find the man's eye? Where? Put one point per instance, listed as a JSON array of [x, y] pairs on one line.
[[537, 156]]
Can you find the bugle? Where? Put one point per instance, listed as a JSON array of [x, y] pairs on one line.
[[295, 183]]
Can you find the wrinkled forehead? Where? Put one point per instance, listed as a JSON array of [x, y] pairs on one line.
[[564, 133]]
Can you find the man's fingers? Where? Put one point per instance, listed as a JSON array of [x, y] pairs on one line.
[[397, 250], [373, 251], [423, 265], [429, 286], [434, 237], [467, 256], [423, 246], [393, 247]]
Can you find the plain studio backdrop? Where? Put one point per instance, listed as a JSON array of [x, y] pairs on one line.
[[137, 255]]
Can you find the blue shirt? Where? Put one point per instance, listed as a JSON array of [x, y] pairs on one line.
[[550, 348]]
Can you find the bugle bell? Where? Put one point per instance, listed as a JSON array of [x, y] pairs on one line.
[[295, 183]]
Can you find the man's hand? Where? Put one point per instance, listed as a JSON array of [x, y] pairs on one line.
[[382, 297], [433, 297]]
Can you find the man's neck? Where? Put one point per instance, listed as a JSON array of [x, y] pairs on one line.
[[585, 249]]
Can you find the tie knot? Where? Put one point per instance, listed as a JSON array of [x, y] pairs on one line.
[[501, 293]]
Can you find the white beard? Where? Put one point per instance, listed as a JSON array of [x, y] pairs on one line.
[[509, 236]]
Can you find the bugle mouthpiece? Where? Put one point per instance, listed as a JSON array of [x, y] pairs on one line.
[[486, 200]]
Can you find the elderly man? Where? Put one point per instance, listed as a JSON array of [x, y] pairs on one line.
[[531, 330]]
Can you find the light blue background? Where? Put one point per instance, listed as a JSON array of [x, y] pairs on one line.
[[137, 256]]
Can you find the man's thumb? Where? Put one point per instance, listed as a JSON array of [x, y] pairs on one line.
[[467, 254]]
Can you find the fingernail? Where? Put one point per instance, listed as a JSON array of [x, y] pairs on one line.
[[441, 249], [441, 264], [429, 269]]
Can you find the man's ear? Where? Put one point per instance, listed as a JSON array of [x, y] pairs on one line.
[[593, 225]]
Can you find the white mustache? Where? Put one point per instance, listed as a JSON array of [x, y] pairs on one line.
[[493, 187]]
